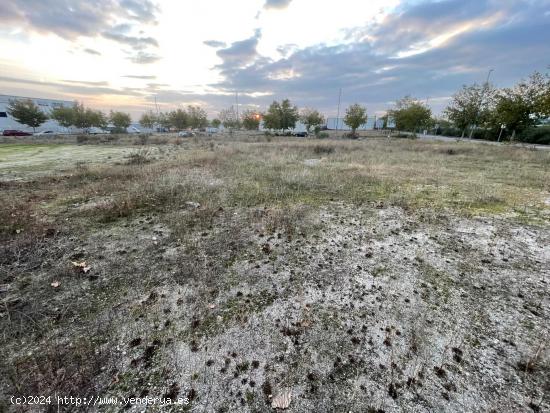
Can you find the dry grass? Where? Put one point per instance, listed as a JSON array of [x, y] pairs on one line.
[[207, 250], [468, 179]]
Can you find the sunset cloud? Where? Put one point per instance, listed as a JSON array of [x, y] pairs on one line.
[[382, 50]]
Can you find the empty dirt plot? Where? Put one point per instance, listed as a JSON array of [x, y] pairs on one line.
[[378, 275], [21, 161]]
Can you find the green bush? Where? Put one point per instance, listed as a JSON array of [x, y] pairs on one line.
[[484, 134], [139, 157], [119, 131], [323, 149], [450, 131], [539, 135]]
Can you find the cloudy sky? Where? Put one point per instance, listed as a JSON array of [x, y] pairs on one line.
[[125, 54]]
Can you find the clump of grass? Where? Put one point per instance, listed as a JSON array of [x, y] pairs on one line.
[[83, 138], [57, 368], [139, 157], [456, 151], [195, 219], [323, 149], [143, 139], [156, 140], [287, 221]]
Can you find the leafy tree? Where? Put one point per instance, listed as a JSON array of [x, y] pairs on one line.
[[251, 120], [311, 118], [148, 120], [536, 92], [82, 116], [27, 113], [229, 118], [85, 118], [281, 115], [272, 118], [356, 115], [543, 100], [166, 120], [522, 106], [65, 116], [216, 123], [289, 115], [120, 120], [470, 106], [410, 114], [513, 110], [178, 119], [441, 124], [197, 117], [544, 103], [96, 118]]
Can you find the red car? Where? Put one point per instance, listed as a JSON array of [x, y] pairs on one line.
[[13, 132]]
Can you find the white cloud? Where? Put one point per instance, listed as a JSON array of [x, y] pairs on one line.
[[304, 49]]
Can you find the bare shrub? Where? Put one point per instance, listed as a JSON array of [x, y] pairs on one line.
[[82, 138], [288, 221], [139, 157], [323, 149], [57, 368], [158, 140], [143, 139]]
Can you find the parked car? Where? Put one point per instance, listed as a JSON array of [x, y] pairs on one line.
[[132, 129], [45, 132], [97, 131], [13, 132], [301, 134], [185, 134]]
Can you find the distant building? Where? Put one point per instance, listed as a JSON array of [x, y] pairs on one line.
[[338, 124], [46, 105]]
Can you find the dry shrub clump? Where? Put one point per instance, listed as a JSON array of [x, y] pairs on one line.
[[323, 149]]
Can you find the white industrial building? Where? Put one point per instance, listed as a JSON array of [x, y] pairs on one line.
[[46, 105], [337, 124]]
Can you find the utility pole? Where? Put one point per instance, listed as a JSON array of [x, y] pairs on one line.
[[485, 86], [158, 114], [338, 113], [237, 102]]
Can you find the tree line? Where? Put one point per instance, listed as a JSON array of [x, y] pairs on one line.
[[479, 111], [485, 112], [194, 117], [26, 112], [281, 116]]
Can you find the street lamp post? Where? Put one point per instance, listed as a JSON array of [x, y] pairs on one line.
[[502, 127]]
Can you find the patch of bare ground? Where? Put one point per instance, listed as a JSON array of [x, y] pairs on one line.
[[387, 276]]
